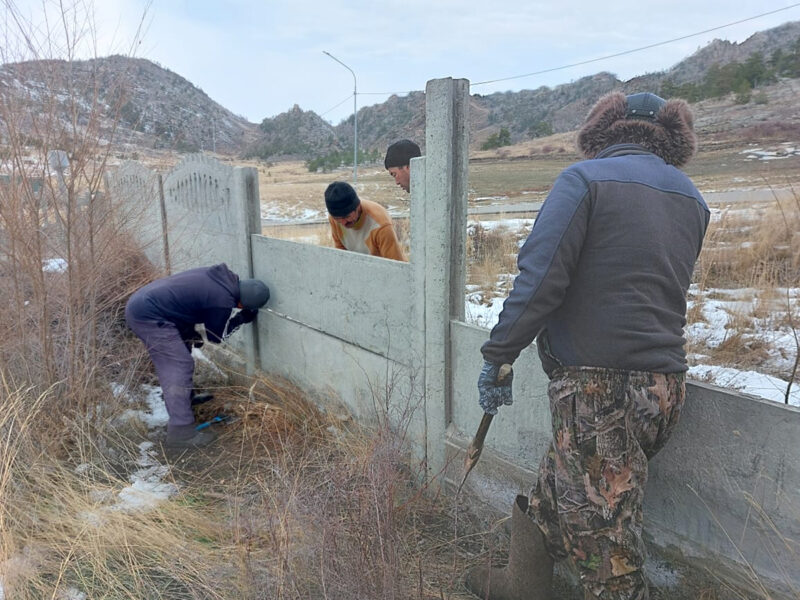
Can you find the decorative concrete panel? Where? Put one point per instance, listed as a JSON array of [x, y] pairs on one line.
[[133, 189], [206, 220]]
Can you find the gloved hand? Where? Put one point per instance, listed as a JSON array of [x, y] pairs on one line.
[[243, 316], [248, 315], [493, 392], [193, 340]]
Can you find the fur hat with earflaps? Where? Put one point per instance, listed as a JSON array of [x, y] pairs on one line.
[[664, 127]]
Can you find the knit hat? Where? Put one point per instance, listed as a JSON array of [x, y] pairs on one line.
[[253, 293], [341, 199], [400, 154], [664, 127]]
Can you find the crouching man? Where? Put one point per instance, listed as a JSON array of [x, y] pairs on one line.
[[164, 313], [602, 286]]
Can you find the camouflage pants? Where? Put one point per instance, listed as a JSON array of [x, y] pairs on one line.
[[588, 499]]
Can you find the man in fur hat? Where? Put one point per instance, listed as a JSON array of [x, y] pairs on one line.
[[602, 287]]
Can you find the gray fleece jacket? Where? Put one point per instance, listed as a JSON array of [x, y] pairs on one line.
[[604, 273]]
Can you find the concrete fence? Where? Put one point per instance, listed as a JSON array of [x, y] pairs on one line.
[[389, 340]]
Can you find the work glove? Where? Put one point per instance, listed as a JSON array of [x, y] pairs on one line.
[[193, 340], [248, 315], [493, 393], [245, 315]]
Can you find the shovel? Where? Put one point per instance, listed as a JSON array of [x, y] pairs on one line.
[[476, 445]]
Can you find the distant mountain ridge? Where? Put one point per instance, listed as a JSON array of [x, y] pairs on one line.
[[528, 113], [143, 103], [148, 106]]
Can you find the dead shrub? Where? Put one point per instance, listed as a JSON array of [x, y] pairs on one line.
[[491, 257]]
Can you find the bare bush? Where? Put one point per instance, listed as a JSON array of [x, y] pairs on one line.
[[65, 263], [492, 256]]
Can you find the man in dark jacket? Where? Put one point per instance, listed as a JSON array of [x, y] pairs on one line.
[[602, 287], [164, 314], [398, 162]]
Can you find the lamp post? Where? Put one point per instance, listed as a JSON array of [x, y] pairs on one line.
[[355, 117]]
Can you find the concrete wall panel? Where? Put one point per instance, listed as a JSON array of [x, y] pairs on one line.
[[728, 482], [372, 387], [521, 431], [362, 300]]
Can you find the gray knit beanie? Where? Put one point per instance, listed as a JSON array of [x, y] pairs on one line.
[[253, 293]]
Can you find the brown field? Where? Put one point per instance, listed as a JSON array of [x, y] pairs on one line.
[[520, 173]]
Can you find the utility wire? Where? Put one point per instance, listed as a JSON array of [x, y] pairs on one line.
[[337, 106], [623, 53], [677, 39]]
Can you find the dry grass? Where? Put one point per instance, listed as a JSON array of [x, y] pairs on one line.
[[491, 261], [291, 502], [757, 249]]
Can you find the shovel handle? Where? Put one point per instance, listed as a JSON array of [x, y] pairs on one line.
[[480, 436]]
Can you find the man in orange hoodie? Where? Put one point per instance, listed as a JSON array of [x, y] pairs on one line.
[[360, 225]]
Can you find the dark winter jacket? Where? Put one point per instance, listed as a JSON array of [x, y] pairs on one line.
[[204, 295], [605, 271]]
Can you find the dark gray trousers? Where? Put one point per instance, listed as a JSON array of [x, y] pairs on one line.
[[174, 366]]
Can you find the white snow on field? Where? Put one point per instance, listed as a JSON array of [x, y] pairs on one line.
[[146, 491], [761, 154], [278, 214], [748, 382], [517, 225], [156, 414], [147, 488], [492, 199], [54, 265]]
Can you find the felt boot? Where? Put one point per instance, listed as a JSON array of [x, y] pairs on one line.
[[186, 436], [529, 573]]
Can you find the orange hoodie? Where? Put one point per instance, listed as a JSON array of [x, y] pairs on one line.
[[372, 234]]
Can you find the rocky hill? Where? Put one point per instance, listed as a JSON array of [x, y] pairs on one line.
[[143, 103], [294, 133], [720, 52], [149, 106], [531, 113]]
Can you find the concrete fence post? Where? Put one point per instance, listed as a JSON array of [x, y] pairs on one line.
[[245, 190], [441, 249], [164, 225]]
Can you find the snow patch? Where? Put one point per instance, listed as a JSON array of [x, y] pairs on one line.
[[54, 265]]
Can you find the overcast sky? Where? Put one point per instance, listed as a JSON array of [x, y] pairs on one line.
[[259, 58]]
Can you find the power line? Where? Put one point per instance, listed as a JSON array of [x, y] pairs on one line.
[[623, 53], [337, 106], [677, 39]]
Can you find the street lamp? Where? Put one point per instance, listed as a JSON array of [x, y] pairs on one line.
[[355, 117]]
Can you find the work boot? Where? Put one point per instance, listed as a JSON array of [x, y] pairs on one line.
[[529, 573], [186, 436]]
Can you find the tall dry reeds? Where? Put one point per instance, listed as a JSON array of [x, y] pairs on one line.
[[753, 246], [492, 257], [755, 249]]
